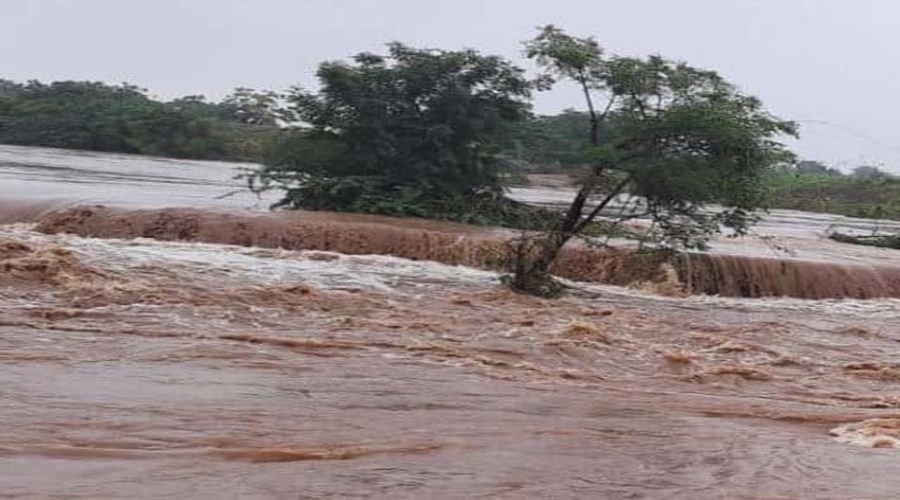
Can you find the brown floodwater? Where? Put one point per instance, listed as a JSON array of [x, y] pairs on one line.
[[140, 368]]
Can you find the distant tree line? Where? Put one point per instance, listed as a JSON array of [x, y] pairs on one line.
[[123, 118], [551, 143], [867, 191], [815, 168], [245, 125]]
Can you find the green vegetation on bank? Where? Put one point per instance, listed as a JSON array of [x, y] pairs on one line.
[[123, 118], [866, 196], [872, 240]]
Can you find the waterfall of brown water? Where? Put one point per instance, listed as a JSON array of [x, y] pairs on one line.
[[740, 276], [464, 245]]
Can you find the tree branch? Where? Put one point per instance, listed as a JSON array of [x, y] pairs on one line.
[[573, 215], [642, 107], [606, 201], [609, 106], [595, 122]]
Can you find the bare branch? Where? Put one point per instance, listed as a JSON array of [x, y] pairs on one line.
[[595, 122], [609, 106]]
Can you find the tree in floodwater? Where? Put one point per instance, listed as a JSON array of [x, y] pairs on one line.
[[412, 133], [671, 138]]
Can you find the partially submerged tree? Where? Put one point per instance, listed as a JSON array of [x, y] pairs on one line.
[[414, 132], [670, 139]]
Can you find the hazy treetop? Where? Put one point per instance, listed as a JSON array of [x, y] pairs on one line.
[[829, 64]]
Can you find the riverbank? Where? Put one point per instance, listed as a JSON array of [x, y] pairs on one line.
[[845, 196], [853, 197]]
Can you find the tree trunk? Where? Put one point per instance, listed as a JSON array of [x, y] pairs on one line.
[[534, 257], [533, 260]]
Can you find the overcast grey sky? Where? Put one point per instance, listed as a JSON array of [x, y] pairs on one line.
[[834, 65]]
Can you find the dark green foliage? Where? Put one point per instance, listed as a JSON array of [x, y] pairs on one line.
[[882, 241], [551, 144], [667, 139], [676, 137], [876, 198], [807, 167], [367, 195], [414, 132], [122, 118], [249, 107]]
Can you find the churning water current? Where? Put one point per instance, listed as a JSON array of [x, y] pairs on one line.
[[139, 368]]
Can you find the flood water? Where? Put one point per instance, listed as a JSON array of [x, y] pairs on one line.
[[147, 369]]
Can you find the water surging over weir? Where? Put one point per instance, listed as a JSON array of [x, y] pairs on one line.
[[455, 244]]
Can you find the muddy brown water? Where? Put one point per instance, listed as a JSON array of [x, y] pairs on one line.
[[139, 368]]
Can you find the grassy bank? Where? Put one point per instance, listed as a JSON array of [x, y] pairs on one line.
[[877, 198]]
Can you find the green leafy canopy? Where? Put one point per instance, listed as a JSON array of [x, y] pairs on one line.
[[676, 138], [414, 125]]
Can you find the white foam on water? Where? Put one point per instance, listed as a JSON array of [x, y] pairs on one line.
[[872, 433], [256, 266]]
